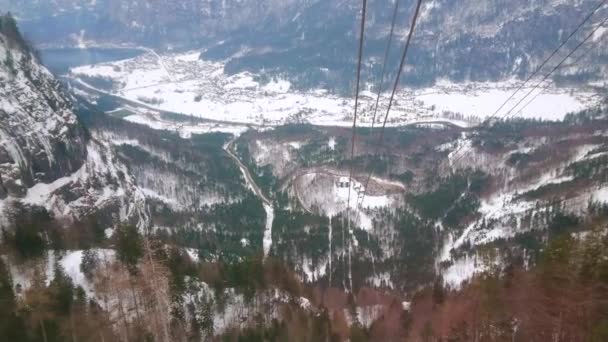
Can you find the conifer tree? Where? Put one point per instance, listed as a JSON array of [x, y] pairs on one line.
[[129, 246]]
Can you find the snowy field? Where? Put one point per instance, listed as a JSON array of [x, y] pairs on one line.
[[502, 217], [182, 83], [311, 190]]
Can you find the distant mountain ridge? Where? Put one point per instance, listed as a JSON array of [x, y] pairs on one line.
[[304, 39]]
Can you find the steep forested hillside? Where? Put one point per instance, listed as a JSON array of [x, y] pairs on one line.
[[442, 203]]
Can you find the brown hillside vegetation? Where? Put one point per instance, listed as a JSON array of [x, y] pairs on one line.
[[565, 298]]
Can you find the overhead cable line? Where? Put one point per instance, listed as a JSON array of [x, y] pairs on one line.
[[383, 74], [589, 36], [521, 86], [455, 153], [386, 56], [395, 87], [578, 59], [354, 132]]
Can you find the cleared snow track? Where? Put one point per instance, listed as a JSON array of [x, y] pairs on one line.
[[267, 242]]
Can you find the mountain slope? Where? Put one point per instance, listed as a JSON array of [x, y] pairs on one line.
[[442, 202], [305, 40], [46, 157], [41, 139], [61, 153]]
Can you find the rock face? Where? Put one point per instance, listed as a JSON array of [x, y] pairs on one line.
[[46, 157], [40, 138], [305, 39], [63, 155]]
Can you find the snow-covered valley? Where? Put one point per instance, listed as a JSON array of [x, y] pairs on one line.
[[183, 83]]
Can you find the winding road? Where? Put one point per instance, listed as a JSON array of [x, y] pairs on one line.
[[267, 242]]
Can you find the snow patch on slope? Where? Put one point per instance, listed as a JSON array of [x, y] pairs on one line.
[[464, 269]]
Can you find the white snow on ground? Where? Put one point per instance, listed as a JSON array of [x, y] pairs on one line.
[[40, 193], [313, 272], [3, 219], [464, 269], [184, 84], [171, 202], [70, 261], [189, 57], [601, 195], [305, 303], [500, 206], [312, 192], [357, 199], [80, 41], [296, 145], [367, 315], [278, 155], [332, 143], [277, 86], [245, 81], [193, 254], [599, 34], [461, 149], [482, 100], [380, 280], [504, 210], [71, 265], [267, 240], [235, 311], [267, 243], [582, 152], [89, 184], [184, 130]]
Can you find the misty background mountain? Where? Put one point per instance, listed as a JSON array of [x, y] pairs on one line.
[[313, 43]]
